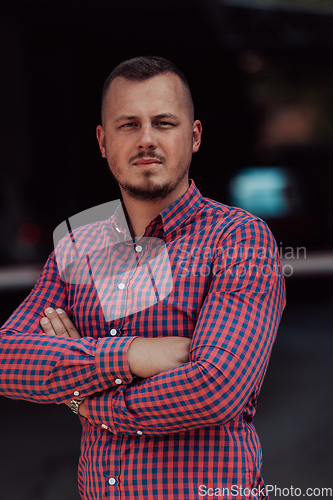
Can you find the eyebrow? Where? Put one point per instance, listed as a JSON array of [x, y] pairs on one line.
[[167, 115], [125, 117], [161, 115]]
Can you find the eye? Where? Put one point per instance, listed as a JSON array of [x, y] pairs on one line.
[[127, 125], [165, 124]]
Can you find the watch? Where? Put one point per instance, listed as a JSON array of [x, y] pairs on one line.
[[75, 403]]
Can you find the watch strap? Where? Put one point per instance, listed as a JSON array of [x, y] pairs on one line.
[[75, 403]]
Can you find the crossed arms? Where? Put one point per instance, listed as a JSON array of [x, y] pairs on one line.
[[232, 340], [146, 356]]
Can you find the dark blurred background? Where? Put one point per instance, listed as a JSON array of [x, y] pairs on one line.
[[261, 73]]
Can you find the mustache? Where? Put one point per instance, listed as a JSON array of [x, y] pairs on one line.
[[149, 154]]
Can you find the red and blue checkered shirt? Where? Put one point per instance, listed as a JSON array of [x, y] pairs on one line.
[[202, 270]]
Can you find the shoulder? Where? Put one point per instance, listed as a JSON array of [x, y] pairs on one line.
[[224, 220], [84, 239], [87, 230]]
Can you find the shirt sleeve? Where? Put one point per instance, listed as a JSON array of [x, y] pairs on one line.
[[45, 368], [230, 349]]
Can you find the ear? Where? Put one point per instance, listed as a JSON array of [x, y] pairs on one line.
[[197, 131], [101, 139]]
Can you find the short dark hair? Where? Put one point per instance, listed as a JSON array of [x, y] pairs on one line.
[[145, 67]]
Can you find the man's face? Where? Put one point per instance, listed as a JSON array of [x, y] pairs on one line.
[[148, 137]]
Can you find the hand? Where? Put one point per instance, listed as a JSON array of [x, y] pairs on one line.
[[149, 356], [56, 322]]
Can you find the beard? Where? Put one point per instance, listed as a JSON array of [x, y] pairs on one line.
[[149, 189]]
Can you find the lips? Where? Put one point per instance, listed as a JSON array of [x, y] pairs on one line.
[[147, 162]]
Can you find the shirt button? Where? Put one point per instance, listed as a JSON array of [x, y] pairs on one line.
[[76, 393], [117, 229], [121, 286], [113, 332], [112, 481], [118, 381], [139, 433], [138, 248], [104, 426]]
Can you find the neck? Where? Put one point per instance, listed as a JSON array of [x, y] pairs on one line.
[[141, 212]]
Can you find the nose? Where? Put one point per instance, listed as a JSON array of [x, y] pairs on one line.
[[147, 139]]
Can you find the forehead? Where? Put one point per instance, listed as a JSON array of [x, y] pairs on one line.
[[161, 93]]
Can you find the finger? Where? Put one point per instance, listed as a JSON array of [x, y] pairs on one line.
[[70, 327], [57, 325], [47, 326]]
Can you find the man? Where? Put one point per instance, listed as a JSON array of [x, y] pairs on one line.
[[157, 324]]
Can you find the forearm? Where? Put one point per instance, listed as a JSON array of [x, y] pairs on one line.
[[194, 395], [54, 367], [149, 356], [45, 369]]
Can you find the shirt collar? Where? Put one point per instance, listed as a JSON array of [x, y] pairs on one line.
[[180, 210], [119, 222], [168, 220]]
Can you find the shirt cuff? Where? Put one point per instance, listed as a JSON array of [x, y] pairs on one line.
[[111, 362]]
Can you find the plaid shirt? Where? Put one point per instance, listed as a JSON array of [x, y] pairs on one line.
[[202, 270]]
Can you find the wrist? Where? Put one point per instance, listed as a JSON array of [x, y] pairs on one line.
[[82, 409], [139, 357], [75, 405]]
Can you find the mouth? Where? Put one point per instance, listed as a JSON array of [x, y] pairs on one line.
[[147, 163]]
